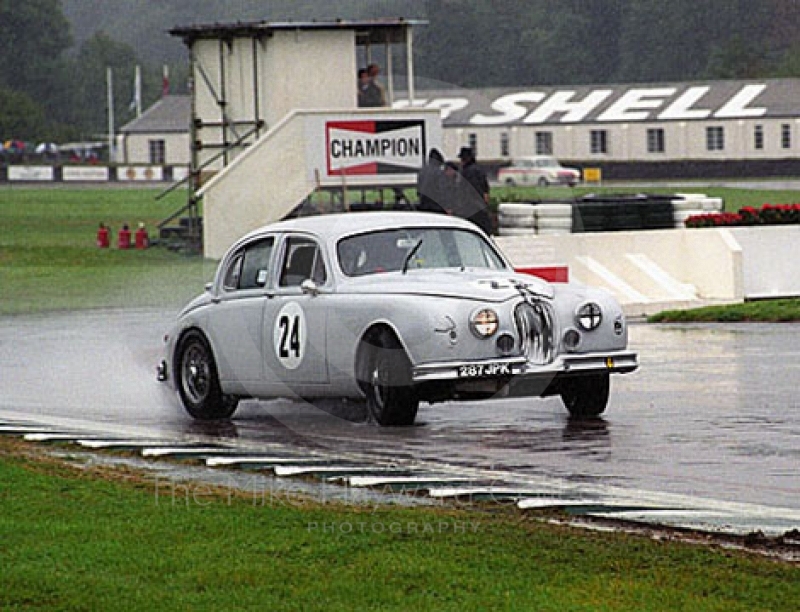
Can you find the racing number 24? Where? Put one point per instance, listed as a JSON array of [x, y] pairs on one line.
[[289, 345]]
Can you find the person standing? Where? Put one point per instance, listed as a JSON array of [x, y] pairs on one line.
[[377, 92], [432, 183], [474, 203], [363, 87]]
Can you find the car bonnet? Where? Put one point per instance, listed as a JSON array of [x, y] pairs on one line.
[[476, 284]]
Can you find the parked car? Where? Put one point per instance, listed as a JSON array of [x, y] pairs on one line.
[[394, 308], [542, 170]]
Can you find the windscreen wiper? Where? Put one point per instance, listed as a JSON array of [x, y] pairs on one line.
[[411, 254]]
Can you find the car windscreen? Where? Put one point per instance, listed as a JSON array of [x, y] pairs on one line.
[[415, 248]]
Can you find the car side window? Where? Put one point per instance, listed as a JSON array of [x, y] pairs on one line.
[[230, 281], [302, 260], [255, 268]]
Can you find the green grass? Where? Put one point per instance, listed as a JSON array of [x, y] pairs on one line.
[[49, 259], [72, 540], [771, 311]]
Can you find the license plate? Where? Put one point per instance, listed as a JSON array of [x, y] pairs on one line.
[[484, 369]]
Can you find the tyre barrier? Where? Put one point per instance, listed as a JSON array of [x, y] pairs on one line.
[[553, 218], [606, 213], [516, 216], [697, 201], [594, 213], [686, 205], [682, 215]]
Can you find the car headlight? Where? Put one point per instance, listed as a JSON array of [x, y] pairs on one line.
[[589, 316], [484, 323]]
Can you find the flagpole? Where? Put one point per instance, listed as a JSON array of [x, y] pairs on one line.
[[138, 90], [110, 85], [165, 81]]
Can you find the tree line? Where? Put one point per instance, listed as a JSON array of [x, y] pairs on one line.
[[54, 53]]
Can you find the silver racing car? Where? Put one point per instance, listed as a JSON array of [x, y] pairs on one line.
[[393, 309]]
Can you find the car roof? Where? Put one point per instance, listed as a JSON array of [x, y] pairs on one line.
[[332, 226], [534, 157]]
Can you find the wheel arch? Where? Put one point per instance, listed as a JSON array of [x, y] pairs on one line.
[[369, 340], [182, 337]]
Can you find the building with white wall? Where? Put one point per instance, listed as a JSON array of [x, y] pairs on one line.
[[709, 122], [705, 121], [160, 136]]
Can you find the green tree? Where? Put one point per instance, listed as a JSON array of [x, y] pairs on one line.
[[737, 59], [87, 99], [20, 117], [33, 35]]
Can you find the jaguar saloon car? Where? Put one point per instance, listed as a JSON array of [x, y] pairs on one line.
[[391, 309], [541, 170]]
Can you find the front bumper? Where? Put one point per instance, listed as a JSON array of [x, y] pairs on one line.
[[612, 362]]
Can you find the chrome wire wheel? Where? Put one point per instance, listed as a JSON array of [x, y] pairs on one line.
[[198, 381], [195, 373]]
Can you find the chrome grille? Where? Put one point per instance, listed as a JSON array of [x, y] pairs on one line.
[[534, 319]]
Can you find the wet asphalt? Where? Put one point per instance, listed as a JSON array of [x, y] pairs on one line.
[[713, 411]]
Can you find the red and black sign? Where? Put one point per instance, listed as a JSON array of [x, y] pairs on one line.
[[375, 147]]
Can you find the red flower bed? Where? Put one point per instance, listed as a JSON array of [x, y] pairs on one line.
[[768, 214]]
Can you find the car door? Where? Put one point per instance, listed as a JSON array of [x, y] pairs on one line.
[[295, 320], [528, 172], [236, 318]]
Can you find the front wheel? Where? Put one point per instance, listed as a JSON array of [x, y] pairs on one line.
[[198, 381], [543, 182], [385, 377], [586, 397]]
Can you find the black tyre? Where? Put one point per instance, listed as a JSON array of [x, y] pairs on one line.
[[586, 397], [385, 377], [198, 382], [543, 182]]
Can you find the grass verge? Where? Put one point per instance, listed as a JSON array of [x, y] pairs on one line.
[[763, 311], [49, 260], [90, 539]]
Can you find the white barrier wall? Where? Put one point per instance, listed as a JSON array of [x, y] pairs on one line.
[[771, 261], [645, 270], [650, 270]]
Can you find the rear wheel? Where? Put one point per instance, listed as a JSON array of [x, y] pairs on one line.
[[198, 381], [385, 377], [586, 397], [542, 182]]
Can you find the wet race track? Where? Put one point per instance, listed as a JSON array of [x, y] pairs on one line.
[[710, 420]]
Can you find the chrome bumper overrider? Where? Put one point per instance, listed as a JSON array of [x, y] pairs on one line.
[[614, 362], [162, 374]]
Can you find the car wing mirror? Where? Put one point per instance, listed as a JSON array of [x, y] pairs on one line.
[[309, 287], [209, 287]]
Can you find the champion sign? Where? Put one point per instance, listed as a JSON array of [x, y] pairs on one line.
[[375, 147]]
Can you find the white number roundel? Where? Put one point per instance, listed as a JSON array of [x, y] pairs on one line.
[[289, 336]]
